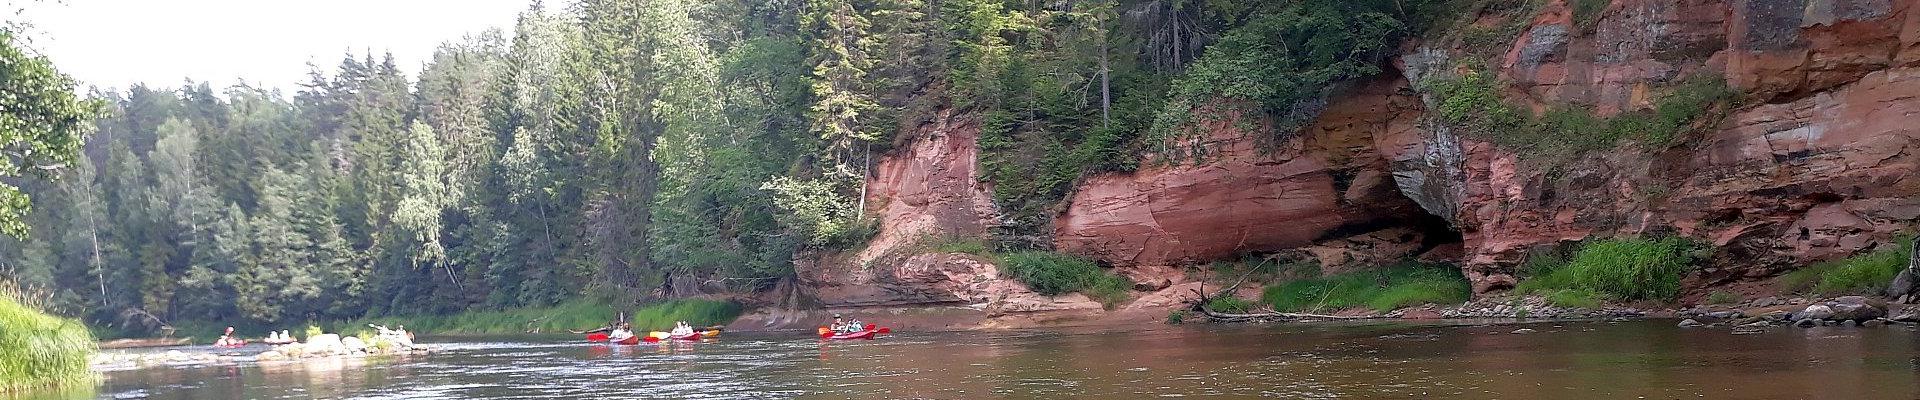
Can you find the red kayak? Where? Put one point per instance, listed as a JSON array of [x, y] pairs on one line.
[[629, 340], [862, 334], [597, 337], [869, 333]]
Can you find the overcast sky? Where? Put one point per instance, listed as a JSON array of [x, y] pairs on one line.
[[113, 43]]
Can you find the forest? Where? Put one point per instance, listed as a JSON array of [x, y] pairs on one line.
[[652, 149]]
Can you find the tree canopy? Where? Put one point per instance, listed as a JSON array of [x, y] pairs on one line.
[[647, 148]]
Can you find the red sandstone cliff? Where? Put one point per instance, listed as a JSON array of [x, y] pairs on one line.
[[1820, 168], [1818, 164]]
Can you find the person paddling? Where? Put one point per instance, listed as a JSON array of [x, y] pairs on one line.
[[841, 325], [227, 339], [619, 333]]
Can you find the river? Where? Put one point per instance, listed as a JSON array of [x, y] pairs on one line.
[[1566, 360]]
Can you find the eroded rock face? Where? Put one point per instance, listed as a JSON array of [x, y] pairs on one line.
[[927, 189], [1799, 47], [1613, 64], [1246, 196], [930, 188], [1822, 169], [1821, 164]]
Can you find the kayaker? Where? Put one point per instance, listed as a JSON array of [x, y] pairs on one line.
[[682, 329], [227, 339], [845, 326], [622, 332]]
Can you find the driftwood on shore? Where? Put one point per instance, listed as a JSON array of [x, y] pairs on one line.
[[139, 343], [1200, 305]]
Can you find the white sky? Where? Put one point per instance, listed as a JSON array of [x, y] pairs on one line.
[[114, 43]]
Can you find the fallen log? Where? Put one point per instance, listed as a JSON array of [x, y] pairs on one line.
[[1275, 316]]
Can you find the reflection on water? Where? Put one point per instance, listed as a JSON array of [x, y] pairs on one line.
[[1571, 360]]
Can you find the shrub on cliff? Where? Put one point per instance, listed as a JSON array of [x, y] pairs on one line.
[[1473, 101], [40, 350], [1385, 289], [1620, 269], [1054, 274]]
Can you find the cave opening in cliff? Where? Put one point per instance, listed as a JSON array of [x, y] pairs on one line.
[[1435, 232]]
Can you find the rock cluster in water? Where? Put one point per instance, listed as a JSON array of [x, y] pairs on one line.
[[1852, 311], [332, 345], [1527, 307], [174, 357]]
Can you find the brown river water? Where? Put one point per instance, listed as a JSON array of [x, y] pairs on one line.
[[1562, 360]]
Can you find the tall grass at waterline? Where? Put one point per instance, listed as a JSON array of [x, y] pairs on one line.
[[1618, 269], [42, 351], [1405, 284], [1054, 274], [1867, 274]]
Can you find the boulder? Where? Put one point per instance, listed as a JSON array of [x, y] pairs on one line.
[[1690, 323], [327, 344], [354, 344], [1904, 284], [1807, 323], [1855, 311], [1814, 312], [1522, 331], [291, 350], [1909, 315], [270, 355]]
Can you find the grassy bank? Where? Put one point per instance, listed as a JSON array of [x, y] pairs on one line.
[[1054, 274], [1862, 274], [41, 351], [1384, 289], [1611, 270]]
